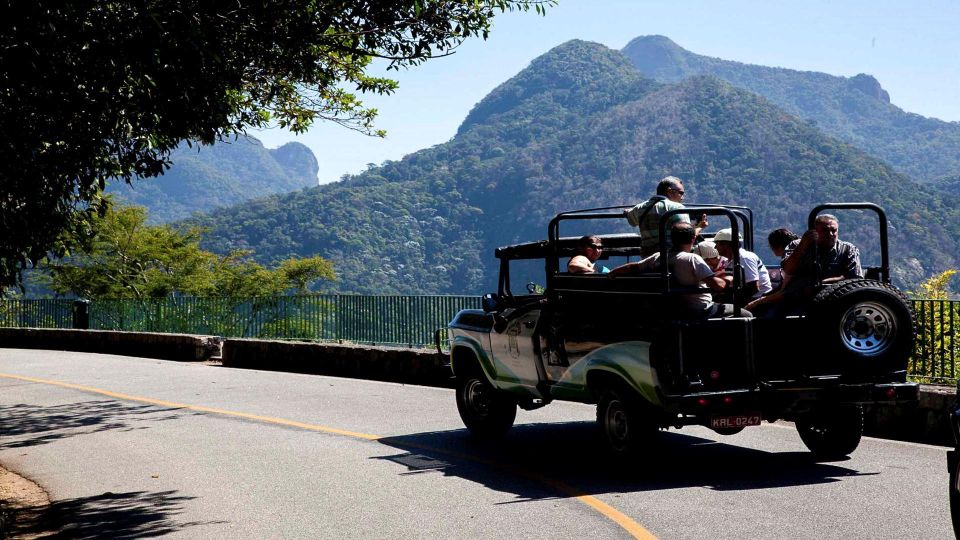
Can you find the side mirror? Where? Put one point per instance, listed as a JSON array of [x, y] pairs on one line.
[[490, 302]]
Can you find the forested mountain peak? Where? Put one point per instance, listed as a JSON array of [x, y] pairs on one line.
[[660, 58], [870, 86], [203, 178], [579, 76], [298, 160], [854, 109]]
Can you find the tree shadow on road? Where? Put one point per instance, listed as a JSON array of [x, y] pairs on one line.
[[538, 461], [136, 514], [23, 425]]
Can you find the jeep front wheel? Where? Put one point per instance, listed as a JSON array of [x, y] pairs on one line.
[[625, 429], [831, 432], [487, 412]]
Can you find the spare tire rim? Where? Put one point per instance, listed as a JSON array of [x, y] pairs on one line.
[[868, 328]]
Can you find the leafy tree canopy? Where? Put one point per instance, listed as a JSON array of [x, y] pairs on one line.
[[124, 257], [100, 90]]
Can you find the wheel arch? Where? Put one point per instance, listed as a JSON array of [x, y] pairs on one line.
[[601, 377], [467, 356]]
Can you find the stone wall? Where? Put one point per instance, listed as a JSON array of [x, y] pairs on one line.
[[183, 347], [413, 366], [926, 421]]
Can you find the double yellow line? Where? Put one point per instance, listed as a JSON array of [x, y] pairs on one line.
[[630, 526]]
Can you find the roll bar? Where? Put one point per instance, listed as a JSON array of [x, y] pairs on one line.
[[553, 229], [744, 213], [736, 215], [881, 214], [732, 215]]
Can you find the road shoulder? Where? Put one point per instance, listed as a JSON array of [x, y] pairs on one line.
[[23, 507]]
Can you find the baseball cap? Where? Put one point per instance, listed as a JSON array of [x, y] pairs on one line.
[[724, 235], [707, 250]]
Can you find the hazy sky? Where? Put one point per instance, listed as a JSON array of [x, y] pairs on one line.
[[910, 47]]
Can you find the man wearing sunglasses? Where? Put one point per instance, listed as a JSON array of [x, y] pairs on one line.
[[588, 251], [646, 215]]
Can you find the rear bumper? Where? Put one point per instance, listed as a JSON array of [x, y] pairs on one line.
[[774, 400]]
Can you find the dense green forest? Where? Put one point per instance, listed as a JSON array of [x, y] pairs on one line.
[[581, 127], [856, 109], [203, 178], [948, 184]]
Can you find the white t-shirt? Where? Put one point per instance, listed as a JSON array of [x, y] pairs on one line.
[[753, 270]]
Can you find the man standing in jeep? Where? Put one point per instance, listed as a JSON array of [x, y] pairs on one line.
[[646, 215]]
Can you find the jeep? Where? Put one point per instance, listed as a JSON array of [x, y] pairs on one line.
[[619, 341]]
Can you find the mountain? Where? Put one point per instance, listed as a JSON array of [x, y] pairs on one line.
[[856, 110], [203, 178], [581, 127], [948, 184]]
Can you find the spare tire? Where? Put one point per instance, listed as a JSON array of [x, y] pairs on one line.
[[867, 325]]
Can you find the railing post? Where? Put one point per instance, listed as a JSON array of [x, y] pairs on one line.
[[81, 314]]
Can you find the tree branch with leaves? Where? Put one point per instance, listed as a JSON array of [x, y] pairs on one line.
[[101, 90]]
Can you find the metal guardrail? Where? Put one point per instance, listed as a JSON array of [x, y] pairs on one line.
[[36, 313], [387, 320], [934, 356]]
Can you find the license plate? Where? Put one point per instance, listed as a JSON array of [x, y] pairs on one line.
[[735, 421]]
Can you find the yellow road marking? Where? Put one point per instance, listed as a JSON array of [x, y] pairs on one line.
[[621, 519]]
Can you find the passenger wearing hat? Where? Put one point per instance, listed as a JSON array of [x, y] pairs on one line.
[[756, 279], [707, 250]]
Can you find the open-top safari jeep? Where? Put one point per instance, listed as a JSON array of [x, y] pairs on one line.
[[619, 342]]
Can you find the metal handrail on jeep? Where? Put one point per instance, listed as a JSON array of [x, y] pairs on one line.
[[735, 215], [883, 272]]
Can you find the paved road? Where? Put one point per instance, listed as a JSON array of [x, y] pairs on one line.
[[134, 447]]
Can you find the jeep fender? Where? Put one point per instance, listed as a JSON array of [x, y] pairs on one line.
[[627, 362], [465, 353]]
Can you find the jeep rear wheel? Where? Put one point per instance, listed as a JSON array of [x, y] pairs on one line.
[[623, 426], [487, 412], [831, 432]]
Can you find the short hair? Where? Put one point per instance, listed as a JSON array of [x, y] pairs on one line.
[[781, 238], [826, 217], [589, 240], [682, 233], [667, 183]]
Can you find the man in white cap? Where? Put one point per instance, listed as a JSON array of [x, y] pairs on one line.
[[756, 279]]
